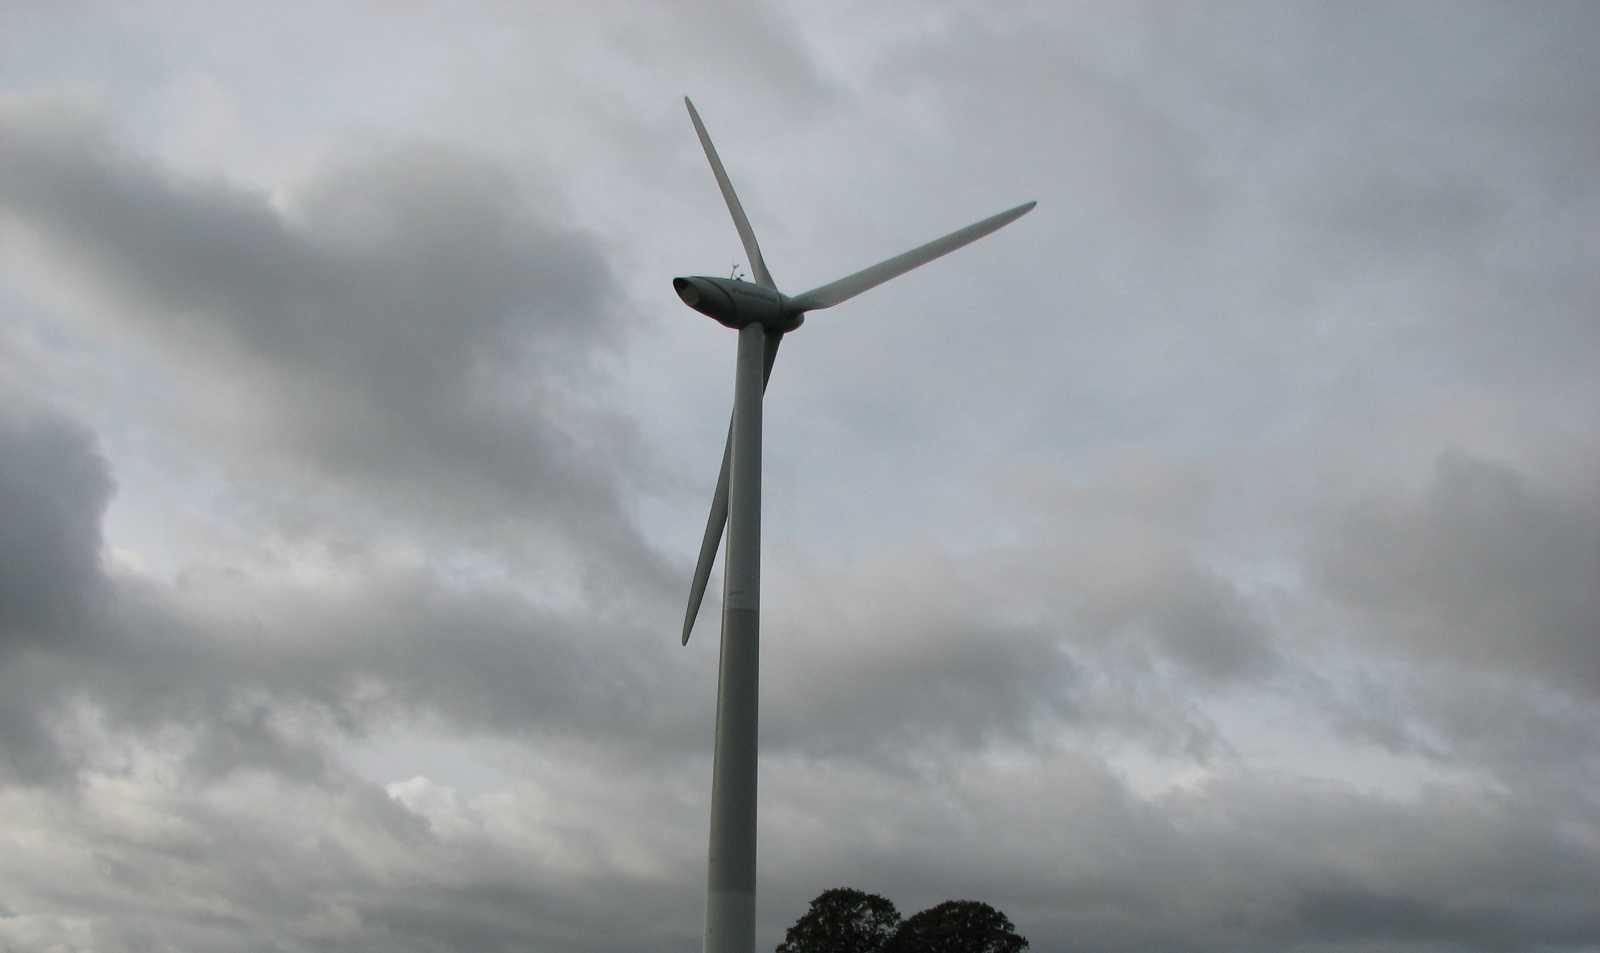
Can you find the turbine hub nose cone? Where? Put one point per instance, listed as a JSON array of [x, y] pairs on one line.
[[687, 291]]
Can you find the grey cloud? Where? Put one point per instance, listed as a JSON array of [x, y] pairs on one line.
[[1488, 723], [1287, 240], [1482, 570], [1355, 914], [416, 327], [884, 685], [1191, 616], [1054, 838], [270, 689], [237, 656], [1255, 862], [29, 754], [1388, 214], [1137, 551], [1104, 614], [54, 486], [235, 652], [885, 661], [1258, 199]]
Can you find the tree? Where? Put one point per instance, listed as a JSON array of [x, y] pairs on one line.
[[843, 920], [957, 926]]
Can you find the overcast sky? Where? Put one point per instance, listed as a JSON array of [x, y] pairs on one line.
[[1208, 561]]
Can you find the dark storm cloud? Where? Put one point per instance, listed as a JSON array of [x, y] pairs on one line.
[[54, 487], [267, 674], [1482, 570], [416, 326]]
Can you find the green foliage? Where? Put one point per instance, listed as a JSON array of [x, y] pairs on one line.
[[957, 926], [843, 920]]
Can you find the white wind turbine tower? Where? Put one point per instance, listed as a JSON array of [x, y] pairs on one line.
[[762, 315]]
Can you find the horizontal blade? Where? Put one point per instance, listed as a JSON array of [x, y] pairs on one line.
[[758, 265], [719, 509], [846, 288]]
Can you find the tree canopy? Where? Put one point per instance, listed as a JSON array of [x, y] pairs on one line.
[[846, 920], [958, 926], [843, 920]]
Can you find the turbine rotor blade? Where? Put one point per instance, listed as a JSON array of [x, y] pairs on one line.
[[709, 542], [718, 518], [758, 265], [868, 278]]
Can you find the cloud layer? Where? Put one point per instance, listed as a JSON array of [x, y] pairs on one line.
[[1207, 561]]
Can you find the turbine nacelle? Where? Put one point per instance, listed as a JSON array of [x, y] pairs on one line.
[[733, 303]]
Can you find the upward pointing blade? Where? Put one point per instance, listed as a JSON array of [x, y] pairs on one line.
[[758, 265], [868, 278], [719, 508]]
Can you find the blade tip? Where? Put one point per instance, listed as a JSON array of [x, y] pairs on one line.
[[689, 618]]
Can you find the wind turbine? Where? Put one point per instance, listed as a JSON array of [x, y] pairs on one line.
[[762, 315]]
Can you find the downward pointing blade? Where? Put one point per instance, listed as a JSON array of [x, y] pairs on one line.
[[758, 265], [868, 278], [719, 508]]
